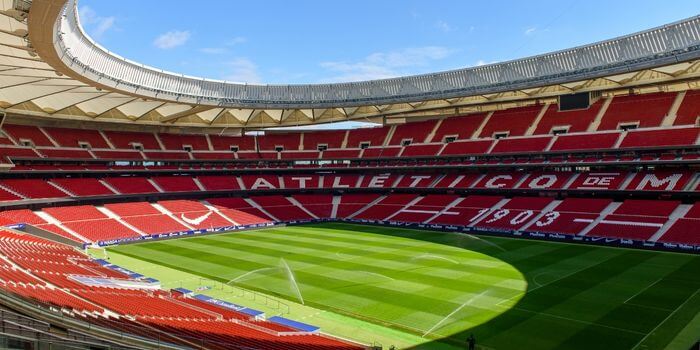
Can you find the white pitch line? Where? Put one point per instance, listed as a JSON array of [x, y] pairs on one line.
[[467, 303], [666, 319], [509, 299], [485, 241], [546, 284], [534, 279], [649, 307], [579, 321], [643, 290]]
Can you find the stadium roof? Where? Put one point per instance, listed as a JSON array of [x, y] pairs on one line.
[[50, 68]]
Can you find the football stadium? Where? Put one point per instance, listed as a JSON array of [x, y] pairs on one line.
[[543, 202]]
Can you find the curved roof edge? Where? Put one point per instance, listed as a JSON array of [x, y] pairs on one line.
[[665, 45]]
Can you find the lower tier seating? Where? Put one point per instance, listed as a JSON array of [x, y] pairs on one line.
[[43, 274], [655, 220]]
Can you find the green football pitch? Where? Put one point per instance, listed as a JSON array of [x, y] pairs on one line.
[[430, 290]]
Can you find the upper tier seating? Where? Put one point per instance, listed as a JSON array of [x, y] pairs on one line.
[[689, 110], [330, 139], [415, 132], [299, 155], [127, 139], [421, 150], [514, 121], [26, 132], [341, 153], [467, 147], [573, 121], [519, 145], [178, 142], [373, 136], [662, 137], [381, 152], [459, 127], [213, 155], [224, 143], [4, 139], [64, 153], [74, 137], [17, 152], [122, 154], [585, 141], [172, 155], [648, 110], [288, 142]]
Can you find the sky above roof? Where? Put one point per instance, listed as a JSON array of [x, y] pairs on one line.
[[315, 41]]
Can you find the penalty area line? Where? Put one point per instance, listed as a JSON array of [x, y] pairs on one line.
[[665, 319], [643, 290], [579, 321], [546, 284]]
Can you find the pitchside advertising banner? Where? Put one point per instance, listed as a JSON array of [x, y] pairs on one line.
[[615, 242], [182, 233]]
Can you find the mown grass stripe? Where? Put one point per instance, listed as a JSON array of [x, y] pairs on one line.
[[579, 297]]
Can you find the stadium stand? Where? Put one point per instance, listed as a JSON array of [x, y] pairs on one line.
[[128, 140], [645, 111], [67, 137], [368, 136], [595, 148], [179, 142], [571, 121], [415, 132], [511, 122]]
